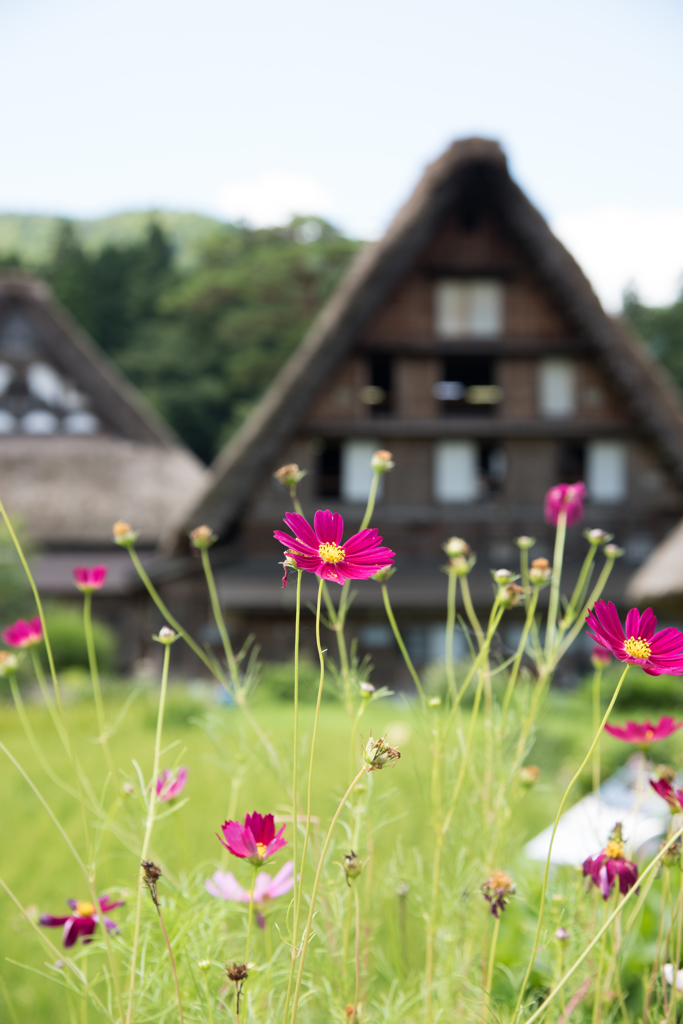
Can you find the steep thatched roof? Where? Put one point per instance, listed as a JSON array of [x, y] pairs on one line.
[[660, 578], [644, 386], [69, 490]]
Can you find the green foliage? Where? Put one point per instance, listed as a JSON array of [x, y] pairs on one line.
[[277, 682], [67, 638], [204, 337], [662, 329], [16, 599]]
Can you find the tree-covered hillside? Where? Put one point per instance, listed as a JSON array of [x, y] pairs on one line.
[[204, 337], [662, 329]]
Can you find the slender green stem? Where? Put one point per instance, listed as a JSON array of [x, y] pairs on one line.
[[354, 729], [357, 988], [402, 646], [309, 799], [250, 916], [209, 999], [149, 823], [560, 811], [314, 893], [597, 680], [31, 736], [540, 1011], [598, 977], [531, 611], [172, 959], [490, 966], [337, 618], [524, 571], [553, 604], [220, 621], [295, 756], [49, 700], [469, 608], [450, 629], [372, 497], [95, 677], [577, 597], [295, 501]]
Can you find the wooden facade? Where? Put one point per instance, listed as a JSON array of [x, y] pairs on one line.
[[468, 343]]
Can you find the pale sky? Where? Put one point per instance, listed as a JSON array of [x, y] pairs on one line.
[[262, 109]]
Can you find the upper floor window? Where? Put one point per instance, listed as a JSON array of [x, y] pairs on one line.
[[378, 393], [607, 471], [467, 386], [356, 473], [556, 387], [464, 470], [468, 307]]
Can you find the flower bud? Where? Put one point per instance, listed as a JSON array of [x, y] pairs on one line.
[[352, 866], [613, 551], [502, 575], [366, 689], [377, 754], [204, 965], [597, 537], [561, 934], [382, 461], [382, 575], [434, 702], [672, 857], [497, 890], [529, 775], [127, 788], [600, 657], [290, 475], [460, 566], [124, 534], [524, 542], [456, 546], [540, 571], [202, 537], [402, 890], [9, 663], [166, 635], [510, 595]]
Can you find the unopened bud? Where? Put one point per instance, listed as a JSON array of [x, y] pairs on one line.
[[377, 754], [124, 534], [166, 635], [434, 702], [529, 775], [402, 890], [524, 542], [672, 857], [9, 663], [597, 537], [460, 566], [561, 934], [290, 475], [613, 551], [202, 537], [382, 575], [600, 657], [204, 965], [502, 575], [456, 546], [510, 595], [127, 788], [665, 773], [352, 866], [366, 689], [540, 571], [382, 461]]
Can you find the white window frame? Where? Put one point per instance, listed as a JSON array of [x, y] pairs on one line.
[[607, 471], [355, 471], [469, 307], [556, 387], [456, 472]]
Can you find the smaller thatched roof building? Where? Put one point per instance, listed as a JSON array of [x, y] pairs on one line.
[[659, 580]]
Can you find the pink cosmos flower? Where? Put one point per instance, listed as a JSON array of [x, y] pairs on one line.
[[88, 580], [610, 865], [569, 497], [674, 798], [225, 885], [254, 841], [83, 920], [656, 653], [319, 550], [23, 634], [643, 734], [171, 784]]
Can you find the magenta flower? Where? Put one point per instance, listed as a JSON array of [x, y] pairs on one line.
[[170, 784], [23, 634], [567, 497], [225, 885], [600, 658], [83, 920], [656, 653], [674, 798], [645, 733], [254, 841], [88, 580], [319, 550], [610, 865]]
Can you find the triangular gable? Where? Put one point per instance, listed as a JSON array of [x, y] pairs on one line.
[[57, 371], [642, 384]]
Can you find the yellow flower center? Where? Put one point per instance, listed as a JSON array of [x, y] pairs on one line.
[[637, 647], [614, 850], [331, 553], [261, 850], [84, 908]]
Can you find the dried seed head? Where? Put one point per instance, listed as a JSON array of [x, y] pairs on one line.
[[352, 866], [236, 973], [202, 537], [382, 461], [290, 475], [377, 754], [124, 534], [151, 871]]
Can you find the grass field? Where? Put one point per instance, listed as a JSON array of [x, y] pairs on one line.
[[228, 773]]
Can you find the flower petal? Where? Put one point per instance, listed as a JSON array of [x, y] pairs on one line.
[[329, 527]]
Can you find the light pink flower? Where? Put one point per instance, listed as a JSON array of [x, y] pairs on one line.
[[569, 497], [90, 579], [254, 841], [225, 885], [23, 634], [320, 550], [657, 653], [170, 784]]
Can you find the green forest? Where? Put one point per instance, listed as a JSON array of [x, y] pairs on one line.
[[201, 314]]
